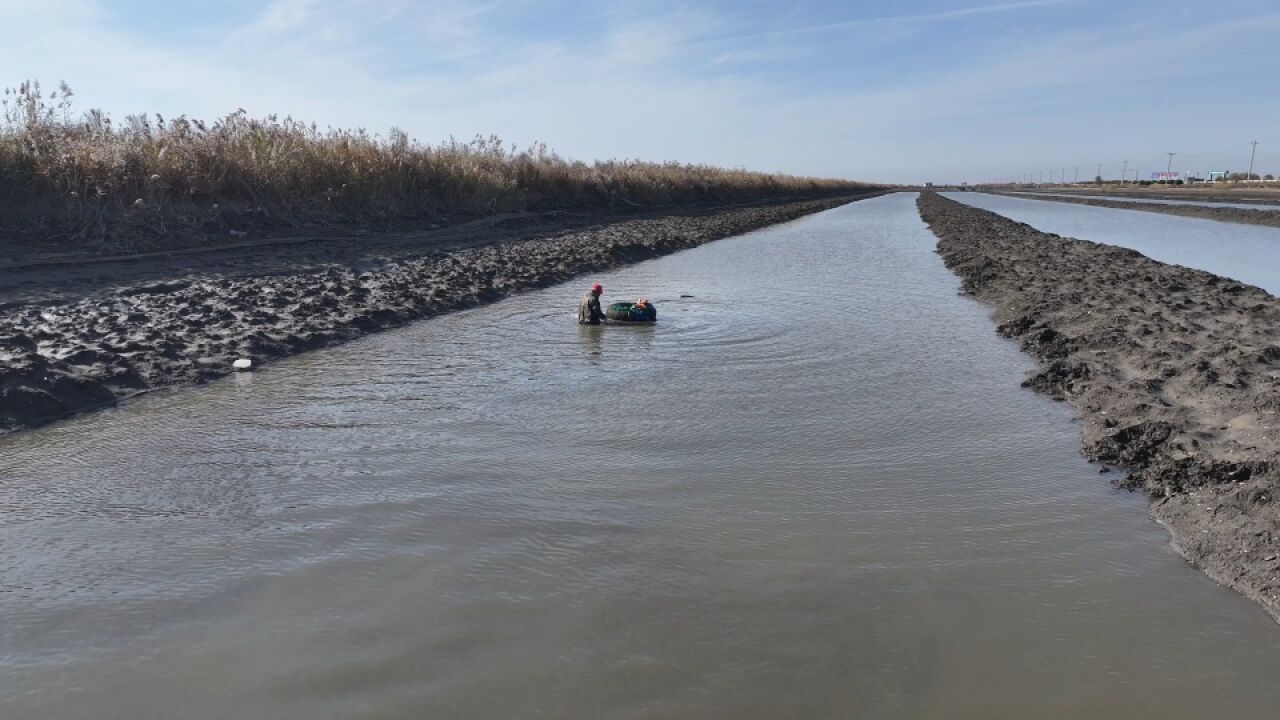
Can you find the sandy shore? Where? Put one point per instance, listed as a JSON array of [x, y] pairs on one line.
[[1270, 218], [1174, 372], [76, 336]]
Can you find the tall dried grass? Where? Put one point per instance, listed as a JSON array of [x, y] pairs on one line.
[[150, 180]]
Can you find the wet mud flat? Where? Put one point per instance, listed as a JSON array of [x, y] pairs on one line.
[[1174, 373], [57, 359], [1247, 216]]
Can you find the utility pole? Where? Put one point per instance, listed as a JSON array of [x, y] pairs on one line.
[[1099, 171], [1124, 172], [1062, 179], [1251, 156], [1169, 168], [1075, 179]]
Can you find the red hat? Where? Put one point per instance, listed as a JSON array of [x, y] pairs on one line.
[[597, 288]]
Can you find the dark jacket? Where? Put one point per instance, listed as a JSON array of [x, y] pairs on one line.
[[589, 312]]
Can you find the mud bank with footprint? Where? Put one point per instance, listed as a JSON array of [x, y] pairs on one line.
[[1174, 373]]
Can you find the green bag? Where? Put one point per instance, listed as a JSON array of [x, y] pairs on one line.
[[630, 312]]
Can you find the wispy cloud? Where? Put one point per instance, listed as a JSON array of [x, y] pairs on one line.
[[898, 20], [282, 16]]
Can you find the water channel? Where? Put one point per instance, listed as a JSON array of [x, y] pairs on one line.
[[1158, 201], [1248, 253], [814, 489]]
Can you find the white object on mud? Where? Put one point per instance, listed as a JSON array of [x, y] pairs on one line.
[[242, 364]]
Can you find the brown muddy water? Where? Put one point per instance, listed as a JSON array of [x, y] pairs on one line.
[[813, 490]]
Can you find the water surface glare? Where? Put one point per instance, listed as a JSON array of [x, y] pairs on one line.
[[1248, 253], [815, 489]]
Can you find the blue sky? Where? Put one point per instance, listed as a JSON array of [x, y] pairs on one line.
[[969, 90]]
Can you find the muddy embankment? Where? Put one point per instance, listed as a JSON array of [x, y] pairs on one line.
[[1270, 218], [59, 357], [1174, 372]]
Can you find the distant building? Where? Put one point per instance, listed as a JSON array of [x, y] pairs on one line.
[[1217, 175]]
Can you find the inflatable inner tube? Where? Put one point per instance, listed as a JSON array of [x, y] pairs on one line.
[[631, 312]]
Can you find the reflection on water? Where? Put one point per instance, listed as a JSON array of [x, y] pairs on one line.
[[813, 489], [1248, 253]]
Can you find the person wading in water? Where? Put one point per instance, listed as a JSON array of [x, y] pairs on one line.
[[589, 312]]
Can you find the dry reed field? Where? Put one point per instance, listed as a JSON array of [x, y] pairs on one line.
[[69, 180]]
